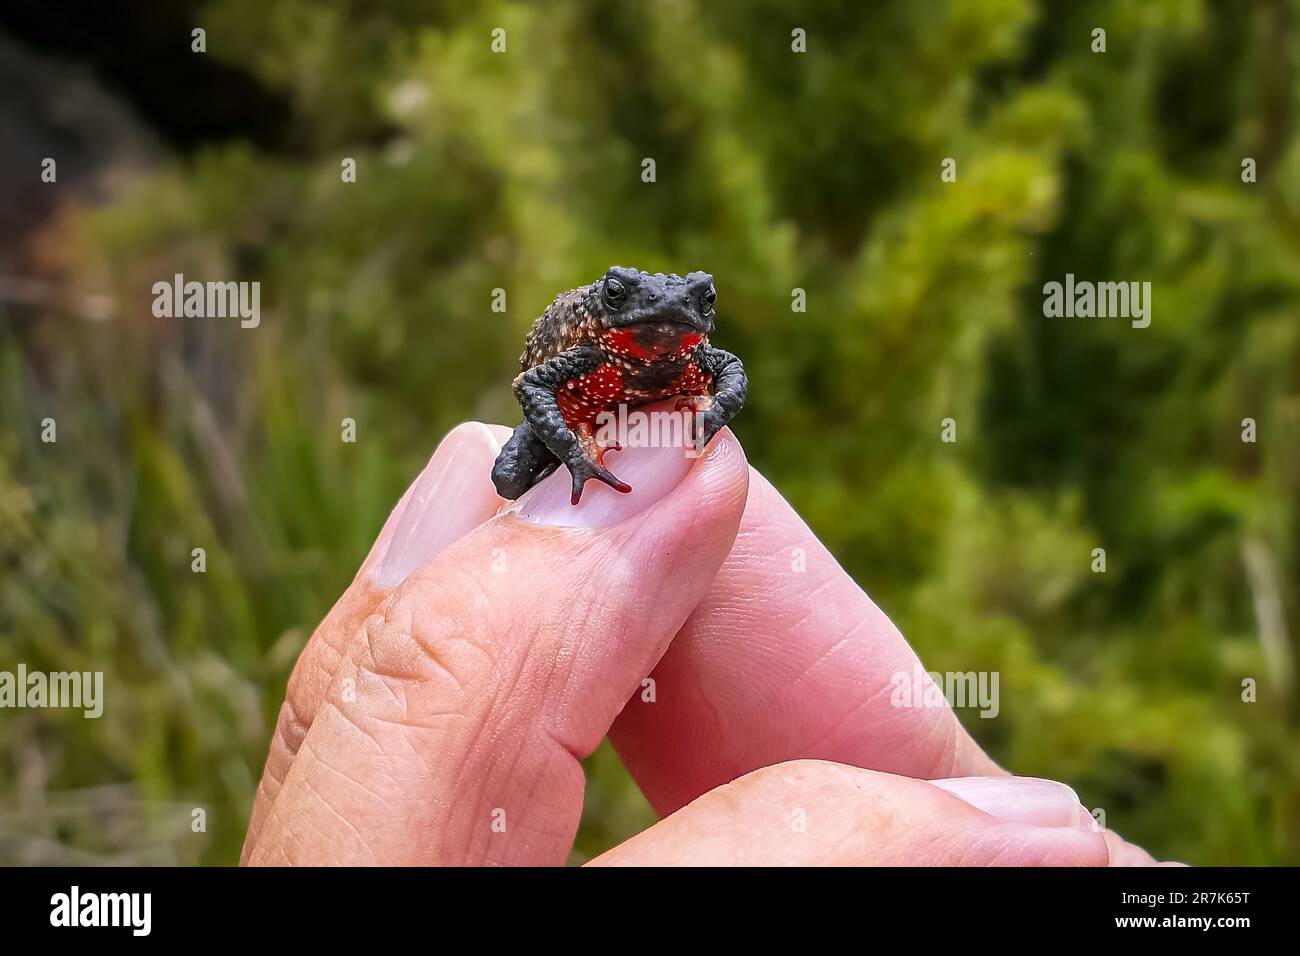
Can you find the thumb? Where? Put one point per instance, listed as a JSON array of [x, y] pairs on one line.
[[452, 730]]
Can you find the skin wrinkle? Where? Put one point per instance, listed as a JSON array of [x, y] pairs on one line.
[[836, 722], [281, 752], [324, 660], [386, 801], [281, 852], [466, 762], [394, 682], [326, 663], [538, 809], [839, 723], [448, 642], [566, 662], [277, 765], [477, 839], [923, 727], [395, 785], [994, 845], [289, 732], [296, 725], [552, 714], [342, 817], [429, 640], [388, 679], [831, 578], [397, 685], [603, 614], [507, 752], [827, 654], [428, 645], [536, 781], [436, 812], [937, 845], [544, 834], [409, 724], [948, 752], [278, 744], [352, 781], [331, 705], [391, 610], [397, 688], [266, 796], [470, 761]]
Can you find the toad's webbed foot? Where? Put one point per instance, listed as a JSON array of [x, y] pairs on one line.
[[588, 461]]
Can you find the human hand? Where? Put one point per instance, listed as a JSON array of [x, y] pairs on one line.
[[438, 713]]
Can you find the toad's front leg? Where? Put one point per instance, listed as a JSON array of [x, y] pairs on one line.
[[729, 388], [537, 390]]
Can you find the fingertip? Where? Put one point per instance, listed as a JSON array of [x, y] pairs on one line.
[[1020, 844], [1021, 800], [1123, 853], [707, 505], [649, 476], [500, 433], [452, 495]]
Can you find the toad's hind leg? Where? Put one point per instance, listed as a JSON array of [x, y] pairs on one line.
[[523, 462]]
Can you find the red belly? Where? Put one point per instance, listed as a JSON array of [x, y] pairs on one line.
[[583, 398]]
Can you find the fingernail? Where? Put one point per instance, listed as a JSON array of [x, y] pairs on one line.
[[652, 473], [1032, 800], [435, 514]]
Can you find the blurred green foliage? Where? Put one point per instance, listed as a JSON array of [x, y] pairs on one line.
[[775, 171]]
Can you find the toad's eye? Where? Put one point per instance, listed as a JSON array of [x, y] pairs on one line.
[[615, 292], [710, 297]]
